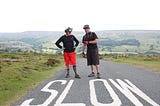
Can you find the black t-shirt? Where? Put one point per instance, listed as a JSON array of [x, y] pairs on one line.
[[90, 37], [68, 43]]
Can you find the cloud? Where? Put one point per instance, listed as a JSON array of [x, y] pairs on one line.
[[22, 15]]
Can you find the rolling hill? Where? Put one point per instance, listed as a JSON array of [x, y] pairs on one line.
[[110, 41]]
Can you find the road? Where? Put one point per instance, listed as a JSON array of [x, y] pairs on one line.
[[120, 85]]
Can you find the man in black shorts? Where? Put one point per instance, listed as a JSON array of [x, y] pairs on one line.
[[90, 40]]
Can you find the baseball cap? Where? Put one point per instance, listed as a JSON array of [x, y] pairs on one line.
[[68, 29], [86, 27]]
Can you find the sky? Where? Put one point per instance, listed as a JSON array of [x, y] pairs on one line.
[[56, 15]]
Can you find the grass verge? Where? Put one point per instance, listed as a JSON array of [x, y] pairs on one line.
[[149, 62], [20, 72]]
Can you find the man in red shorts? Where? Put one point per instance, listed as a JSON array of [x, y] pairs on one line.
[[69, 45], [90, 40]]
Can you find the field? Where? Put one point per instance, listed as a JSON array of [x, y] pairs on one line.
[[148, 62], [19, 72]]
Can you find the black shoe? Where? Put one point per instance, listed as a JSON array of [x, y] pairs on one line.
[[91, 75], [67, 76], [77, 76], [98, 75]]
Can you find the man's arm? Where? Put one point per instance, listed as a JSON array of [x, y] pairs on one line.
[[58, 43], [83, 47], [93, 42], [77, 42]]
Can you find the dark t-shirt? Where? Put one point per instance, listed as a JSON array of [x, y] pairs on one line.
[[90, 37], [68, 43]]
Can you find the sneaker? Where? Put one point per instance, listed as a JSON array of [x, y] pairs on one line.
[[67, 76], [77, 76], [91, 75], [98, 75]]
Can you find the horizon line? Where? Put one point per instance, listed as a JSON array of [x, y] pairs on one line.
[[81, 31]]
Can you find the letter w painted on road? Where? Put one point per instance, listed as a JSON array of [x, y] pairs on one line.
[[125, 89]]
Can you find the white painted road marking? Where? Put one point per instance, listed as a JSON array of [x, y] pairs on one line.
[[121, 85], [46, 89], [124, 88], [63, 95], [93, 97]]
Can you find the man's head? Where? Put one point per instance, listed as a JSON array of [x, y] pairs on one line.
[[86, 28], [68, 31]]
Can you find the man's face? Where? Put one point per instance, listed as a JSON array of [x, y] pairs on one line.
[[87, 30], [68, 33]]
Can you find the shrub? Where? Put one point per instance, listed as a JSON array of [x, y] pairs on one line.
[[52, 62]]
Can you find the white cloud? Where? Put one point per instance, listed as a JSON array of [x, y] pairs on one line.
[[23, 15]]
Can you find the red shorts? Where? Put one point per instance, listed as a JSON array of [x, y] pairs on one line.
[[69, 58]]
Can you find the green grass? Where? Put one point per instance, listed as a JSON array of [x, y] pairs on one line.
[[116, 53], [150, 62], [19, 72]]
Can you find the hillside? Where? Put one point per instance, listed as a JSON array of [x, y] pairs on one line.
[[131, 41], [110, 41]]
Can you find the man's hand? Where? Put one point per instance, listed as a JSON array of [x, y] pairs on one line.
[[86, 42], [62, 48], [75, 47], [83, 55]]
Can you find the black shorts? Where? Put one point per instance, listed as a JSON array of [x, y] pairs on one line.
[[92, 57]]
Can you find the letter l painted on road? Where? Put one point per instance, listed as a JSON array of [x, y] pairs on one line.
[[63, 95]]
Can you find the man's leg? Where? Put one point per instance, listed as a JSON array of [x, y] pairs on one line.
[[92, 72], [92, 69], [67, 69], [66, 59], [67, 75], [72, 57], [75, 71], [97, 69], [95, 60]]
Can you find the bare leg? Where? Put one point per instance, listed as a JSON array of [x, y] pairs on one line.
[[92, 72], [97, 68], [92, 69]]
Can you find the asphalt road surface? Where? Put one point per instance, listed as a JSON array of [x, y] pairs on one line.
[[120, 85]]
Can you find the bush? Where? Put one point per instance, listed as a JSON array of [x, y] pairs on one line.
[[52, 62]]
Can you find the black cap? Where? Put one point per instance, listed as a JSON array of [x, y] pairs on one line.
[[86, 27], [68, 29]]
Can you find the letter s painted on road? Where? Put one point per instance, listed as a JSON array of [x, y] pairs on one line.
[[45, 89]]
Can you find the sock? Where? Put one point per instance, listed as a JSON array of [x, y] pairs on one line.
[[75, 71], [68, 71]]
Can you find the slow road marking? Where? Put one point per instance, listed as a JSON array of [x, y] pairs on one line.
[[126, 87]]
